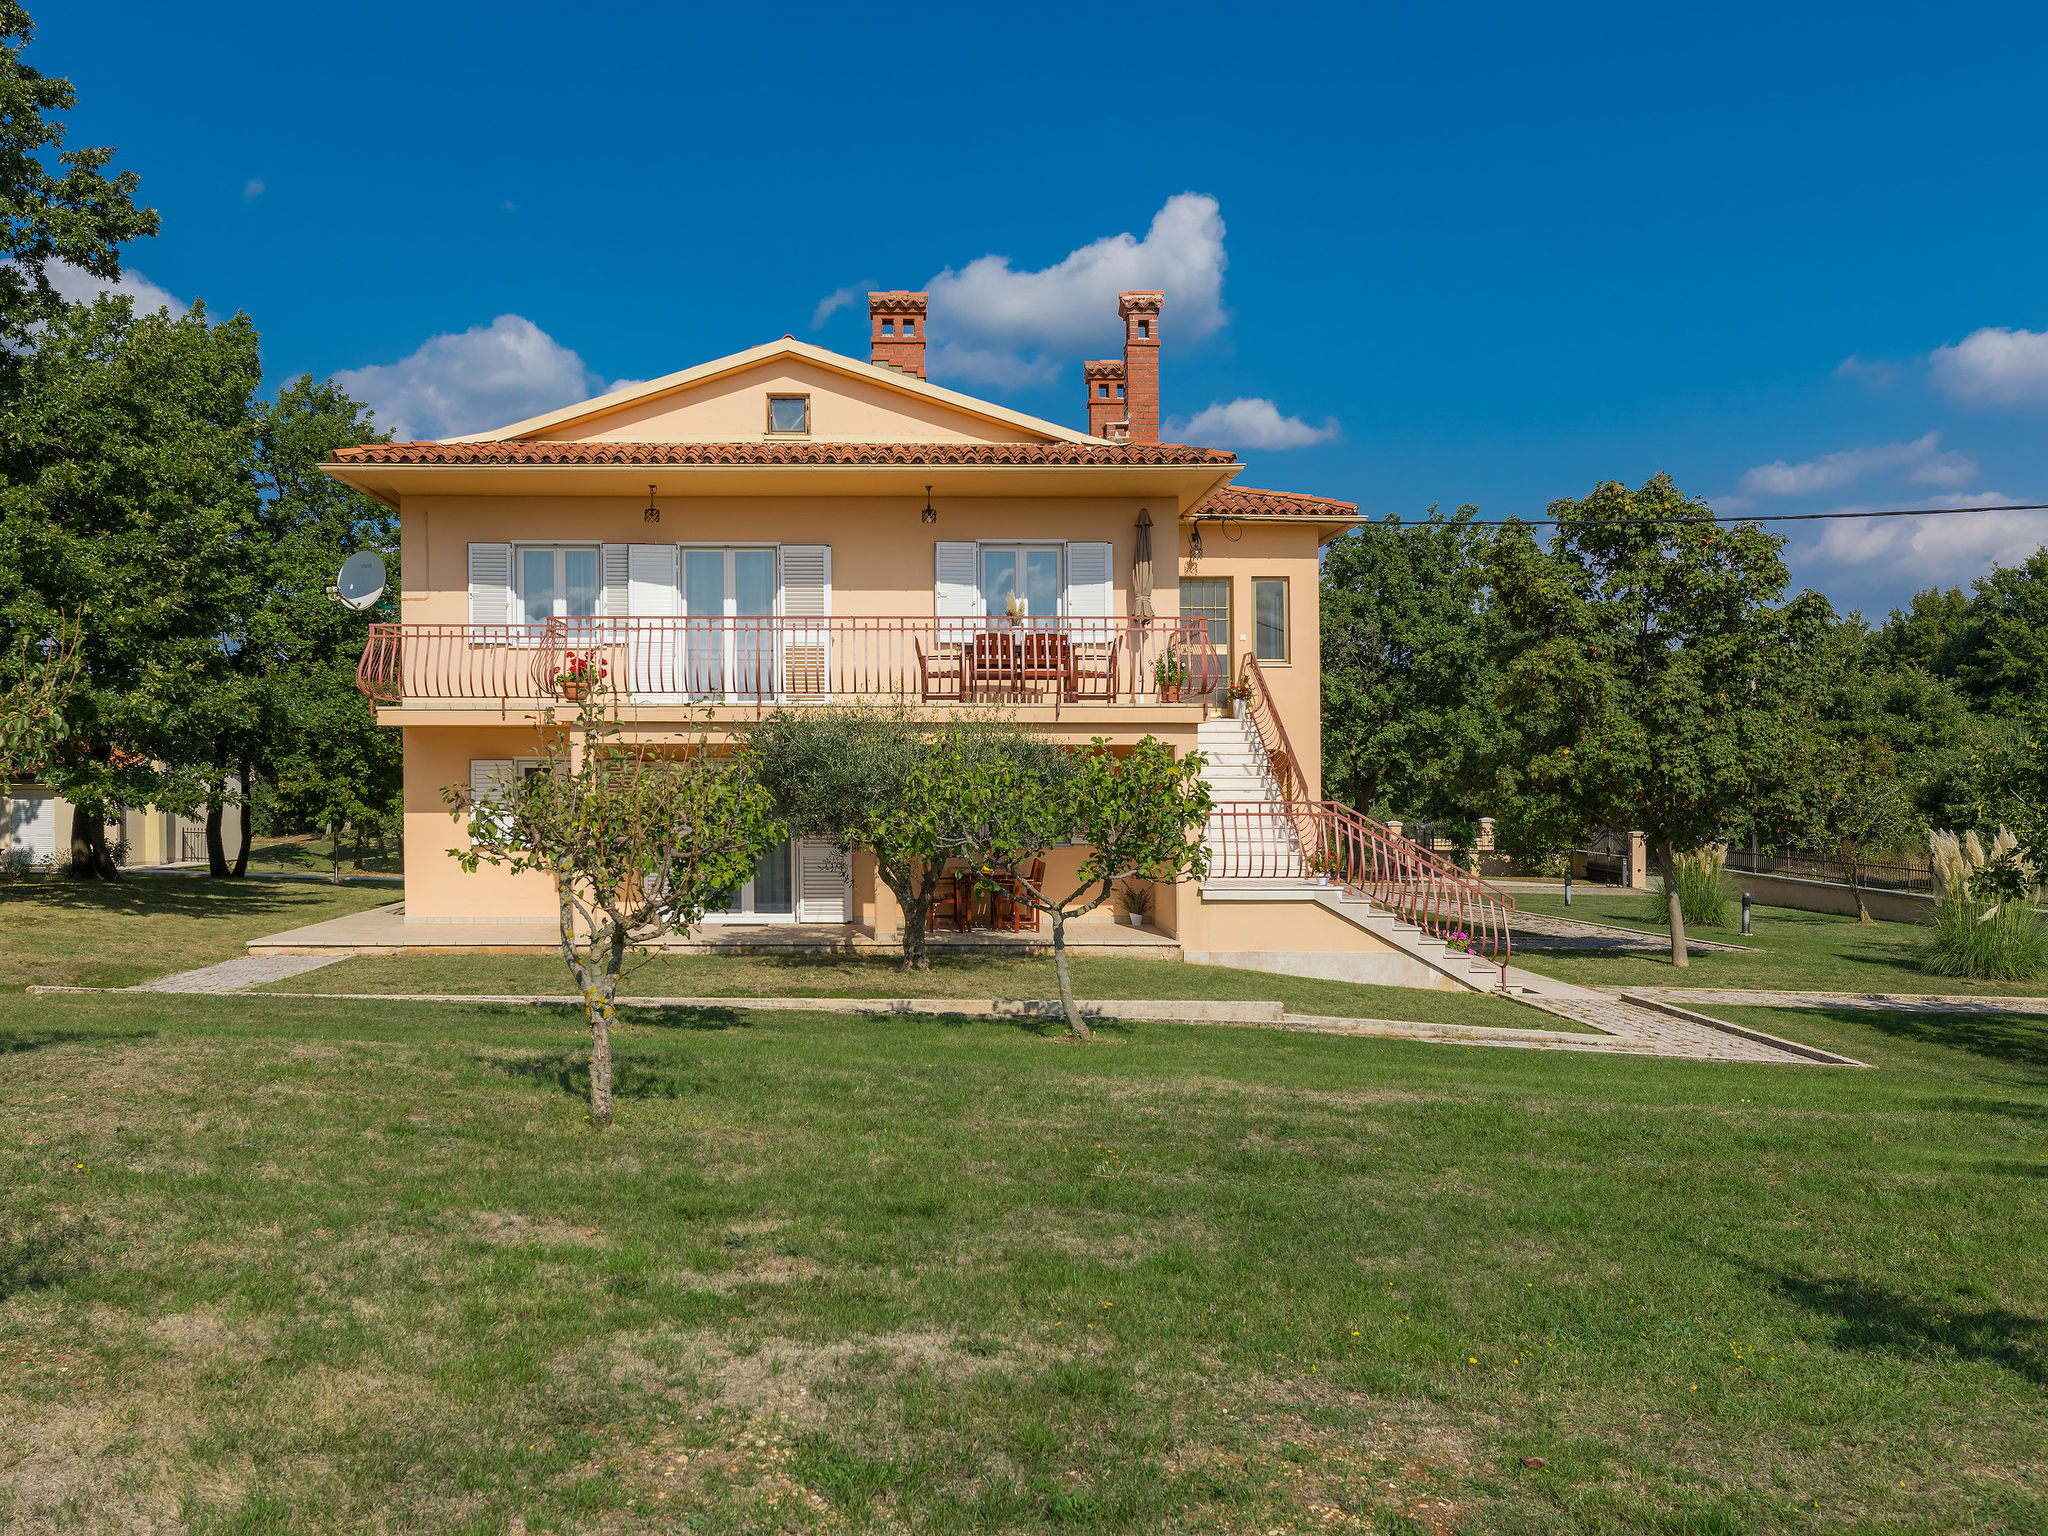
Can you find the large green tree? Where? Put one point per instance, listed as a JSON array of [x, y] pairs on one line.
[[1648, 673], [1992, 644], [128, 500], [310, 732], [56, 204], [1408, 640]]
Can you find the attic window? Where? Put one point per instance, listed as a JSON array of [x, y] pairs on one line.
[[789, 413]]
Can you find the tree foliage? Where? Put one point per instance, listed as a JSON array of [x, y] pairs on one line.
[[843, 773], [1992, 644], [637, 840], [1137, 814], [1648, 672], [1408, 645], [56, 204], [128, 499]]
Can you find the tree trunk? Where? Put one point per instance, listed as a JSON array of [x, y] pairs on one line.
[[334, 854], [216, 797], [1856, 890], [358, 864], [1674, 909], [248, 822], [91, 859], [916, 904], [601, 1002], [1059, 964]]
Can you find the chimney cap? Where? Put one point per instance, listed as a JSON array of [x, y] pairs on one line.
[[1105, 368], [1140, 298], [898, 301]]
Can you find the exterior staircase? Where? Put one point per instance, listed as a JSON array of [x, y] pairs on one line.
[[1267, 846]]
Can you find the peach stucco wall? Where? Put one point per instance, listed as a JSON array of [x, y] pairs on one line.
[[882, 564], [844, 409]]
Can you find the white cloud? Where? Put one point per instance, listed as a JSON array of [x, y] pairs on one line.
[[1922, 461], [1873, 372], [995, 324], [78, 286], [488, 376], [838, 299], [253, 187], [1994, 366], [1929, 551], [1249, 423]]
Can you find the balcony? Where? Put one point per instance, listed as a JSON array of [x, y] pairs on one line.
[[768, 661]]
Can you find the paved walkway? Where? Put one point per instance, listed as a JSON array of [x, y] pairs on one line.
[[239, 974], [1539, 930], [1880, 1002]]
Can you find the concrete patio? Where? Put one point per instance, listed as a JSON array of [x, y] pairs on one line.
[[386, 931]]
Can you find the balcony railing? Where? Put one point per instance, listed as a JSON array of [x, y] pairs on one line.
[[949, 661]]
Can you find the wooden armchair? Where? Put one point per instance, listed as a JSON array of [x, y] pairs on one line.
[[942, 673], [1091, 671], [1013, 914]]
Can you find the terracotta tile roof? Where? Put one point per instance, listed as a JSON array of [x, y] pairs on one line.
[[1247, 501], [528, 452]]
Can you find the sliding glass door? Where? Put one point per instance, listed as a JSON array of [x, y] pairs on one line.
[[735, 658]]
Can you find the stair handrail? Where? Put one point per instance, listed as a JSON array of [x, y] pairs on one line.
[[1367, 857]]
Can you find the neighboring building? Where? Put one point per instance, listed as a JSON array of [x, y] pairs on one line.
[[787, 525], [35, 829]]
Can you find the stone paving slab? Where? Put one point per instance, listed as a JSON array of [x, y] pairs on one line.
[[238, 974], [1879, 1002]]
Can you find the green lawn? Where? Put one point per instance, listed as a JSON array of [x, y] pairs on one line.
[[310, 854], [1805, 951], [962, 976], [55, 931], [271, 1265]]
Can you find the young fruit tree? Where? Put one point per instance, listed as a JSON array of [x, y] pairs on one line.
[[1138, 814], [637, 841], [1651, 672], [1857, 803], [843, 773]]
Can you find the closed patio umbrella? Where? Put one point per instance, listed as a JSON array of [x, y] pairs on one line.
[[1141, 567]]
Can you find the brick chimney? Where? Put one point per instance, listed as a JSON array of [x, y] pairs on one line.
[[1105, 382], [896, 330], [1140, 313]]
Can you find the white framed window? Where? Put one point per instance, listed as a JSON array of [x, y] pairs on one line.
[[556, 581], [1030, 572], [767, 896]]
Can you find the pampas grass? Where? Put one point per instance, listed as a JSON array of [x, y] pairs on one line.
[[2006, 942], [1703, 895]]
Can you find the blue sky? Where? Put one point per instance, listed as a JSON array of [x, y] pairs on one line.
[[1796, 255]]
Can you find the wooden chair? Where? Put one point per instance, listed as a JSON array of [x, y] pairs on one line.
[[1091, 672], [950, 906], [941, 674], [1013, 914]]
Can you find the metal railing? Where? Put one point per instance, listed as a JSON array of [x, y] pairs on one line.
[[1883, 871], [780, 660], [1301, 838]]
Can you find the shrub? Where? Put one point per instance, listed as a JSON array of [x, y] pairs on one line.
[[2004, 942], [1703, 893]]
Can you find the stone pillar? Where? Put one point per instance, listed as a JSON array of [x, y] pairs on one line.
[[1636, 872]]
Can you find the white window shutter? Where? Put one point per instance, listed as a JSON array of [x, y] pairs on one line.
[[653, 589], [617, 603], [490, 583], [491, 781], [1090, 571], [957, 593], [806, 594], [824, 882]]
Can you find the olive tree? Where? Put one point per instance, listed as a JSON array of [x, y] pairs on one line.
[[1136, 814], [638, 841]]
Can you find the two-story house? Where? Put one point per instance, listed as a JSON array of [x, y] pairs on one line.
[[788, 526]]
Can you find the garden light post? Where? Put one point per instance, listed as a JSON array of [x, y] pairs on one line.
[[1567, 883], [1745, 914]]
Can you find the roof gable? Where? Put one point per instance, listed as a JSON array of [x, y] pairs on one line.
[[725, 401]]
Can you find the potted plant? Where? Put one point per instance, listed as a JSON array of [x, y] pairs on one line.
[[579, 676], [1240, 698], [1015, 609], [1134, 898], [1170, 674]]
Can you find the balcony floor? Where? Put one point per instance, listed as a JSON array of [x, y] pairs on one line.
[[386, 931]]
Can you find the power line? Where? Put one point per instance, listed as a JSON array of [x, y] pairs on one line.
[[1780, 517]]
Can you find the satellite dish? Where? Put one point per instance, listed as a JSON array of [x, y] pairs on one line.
[[361, 581]]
